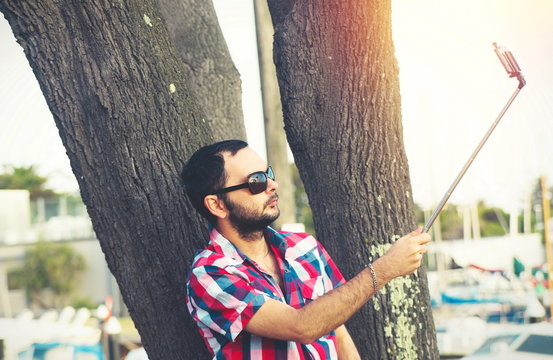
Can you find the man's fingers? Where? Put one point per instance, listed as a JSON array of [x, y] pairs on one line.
[[423, 238], [412, 234], [416, 232], [419, 250]]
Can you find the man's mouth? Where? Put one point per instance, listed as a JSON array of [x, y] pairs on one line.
[[273, 201]]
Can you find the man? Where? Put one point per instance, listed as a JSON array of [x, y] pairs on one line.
[[257, 293]]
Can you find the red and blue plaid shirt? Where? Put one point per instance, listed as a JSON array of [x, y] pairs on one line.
[[226, 288]]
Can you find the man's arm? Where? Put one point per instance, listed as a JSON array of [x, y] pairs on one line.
[[278, 320], [346, 347]]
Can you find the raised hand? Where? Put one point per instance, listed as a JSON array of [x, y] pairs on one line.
[[405, 255]]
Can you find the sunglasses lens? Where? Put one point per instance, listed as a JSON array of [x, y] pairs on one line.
[[257, 182], [270, 173]]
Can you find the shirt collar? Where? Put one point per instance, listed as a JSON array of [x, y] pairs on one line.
[[277, 239], [224, 246]]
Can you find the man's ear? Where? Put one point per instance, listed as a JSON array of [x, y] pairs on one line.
[[216, 206]]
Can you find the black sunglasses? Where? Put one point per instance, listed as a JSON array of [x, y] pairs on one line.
[[257, 182]]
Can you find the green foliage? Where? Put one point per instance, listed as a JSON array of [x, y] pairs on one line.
[[15, 279], [83, 302], [303, 210], [50, 266], [488, 229], [490, 220], [25, 178], [451, 221]]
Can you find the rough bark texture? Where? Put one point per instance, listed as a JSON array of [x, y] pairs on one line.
[[123, 108], [275, 137], [339, 86], [212, 75]]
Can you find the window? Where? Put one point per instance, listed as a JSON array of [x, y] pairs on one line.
[[537, 344]]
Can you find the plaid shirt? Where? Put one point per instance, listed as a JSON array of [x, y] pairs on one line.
[[226, 288]]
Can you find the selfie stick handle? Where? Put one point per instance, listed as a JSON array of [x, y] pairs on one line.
[[513, 70]]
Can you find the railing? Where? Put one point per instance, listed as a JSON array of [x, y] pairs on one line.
[[50, 219]]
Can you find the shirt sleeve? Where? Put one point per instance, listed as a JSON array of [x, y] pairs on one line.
[[222, 301], [329, 269]]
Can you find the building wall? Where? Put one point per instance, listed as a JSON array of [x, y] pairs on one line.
[[95, 283], [15, 214]]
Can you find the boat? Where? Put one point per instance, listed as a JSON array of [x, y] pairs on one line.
[[517, 342]]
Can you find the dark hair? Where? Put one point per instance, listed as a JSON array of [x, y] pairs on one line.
[[204, 173]]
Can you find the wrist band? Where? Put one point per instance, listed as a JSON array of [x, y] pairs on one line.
[[373, 275]]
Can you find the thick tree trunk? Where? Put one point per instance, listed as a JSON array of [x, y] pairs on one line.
[[339, 85], [275, 137], [122, 104], [214, 80]]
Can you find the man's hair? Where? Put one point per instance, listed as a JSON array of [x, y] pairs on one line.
[[204, 173]]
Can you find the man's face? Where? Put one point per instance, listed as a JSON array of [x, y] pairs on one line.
[[248, 212]]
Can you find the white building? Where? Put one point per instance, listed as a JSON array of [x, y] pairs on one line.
[[23, 222]]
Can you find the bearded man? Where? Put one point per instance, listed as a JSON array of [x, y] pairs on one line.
[[258, 293]]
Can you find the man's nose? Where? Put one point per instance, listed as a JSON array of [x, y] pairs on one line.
[[272, 185]]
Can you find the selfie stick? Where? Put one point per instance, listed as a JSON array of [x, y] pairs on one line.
[[512, 68]]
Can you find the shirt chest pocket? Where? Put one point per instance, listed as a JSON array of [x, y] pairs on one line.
[[262, 287], [312, 288]]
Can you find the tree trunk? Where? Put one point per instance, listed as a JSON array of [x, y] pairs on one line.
[[121, 102], [214, 80], [339, 86], [275, 137]]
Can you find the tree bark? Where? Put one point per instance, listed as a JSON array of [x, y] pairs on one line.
[[339, 87], [275, 137], [126, 116], [213, 78]]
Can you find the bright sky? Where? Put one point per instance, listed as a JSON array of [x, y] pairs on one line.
[[453, 87]]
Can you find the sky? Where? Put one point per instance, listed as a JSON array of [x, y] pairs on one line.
[[452, 87]]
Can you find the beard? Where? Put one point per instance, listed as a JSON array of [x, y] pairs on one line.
[[249, 222]]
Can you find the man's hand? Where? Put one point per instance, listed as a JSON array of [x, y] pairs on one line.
[[404, 257]]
